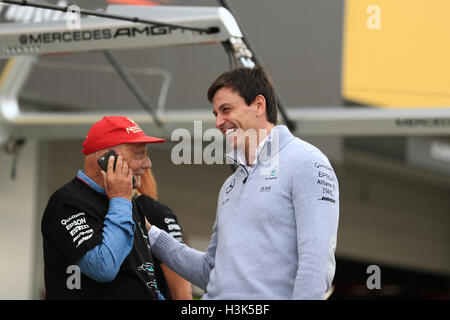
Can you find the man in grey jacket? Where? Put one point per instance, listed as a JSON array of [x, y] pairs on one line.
[[277, 216]]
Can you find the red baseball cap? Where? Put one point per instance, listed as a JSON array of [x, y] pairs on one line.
[[115, 130]]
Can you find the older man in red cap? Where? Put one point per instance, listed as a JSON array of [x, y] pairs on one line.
[[95, 240]]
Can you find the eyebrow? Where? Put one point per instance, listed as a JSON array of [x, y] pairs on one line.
[[223, 105]]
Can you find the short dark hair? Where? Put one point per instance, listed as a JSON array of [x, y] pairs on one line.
[[248, 83]]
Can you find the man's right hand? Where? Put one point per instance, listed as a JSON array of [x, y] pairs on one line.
[[119, 181]]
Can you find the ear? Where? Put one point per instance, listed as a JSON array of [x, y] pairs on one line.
[[260, 103]]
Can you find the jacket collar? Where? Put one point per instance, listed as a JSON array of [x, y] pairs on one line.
[[91, 183]]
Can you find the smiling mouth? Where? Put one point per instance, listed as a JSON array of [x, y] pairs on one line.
[[230, 131]]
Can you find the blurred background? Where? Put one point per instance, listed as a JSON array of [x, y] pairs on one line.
[[328, 58]]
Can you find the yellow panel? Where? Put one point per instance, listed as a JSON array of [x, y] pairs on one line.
[[404, 63]]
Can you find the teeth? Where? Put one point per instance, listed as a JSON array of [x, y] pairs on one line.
[[230, 131]]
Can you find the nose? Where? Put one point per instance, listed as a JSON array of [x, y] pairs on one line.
[[219, 121]]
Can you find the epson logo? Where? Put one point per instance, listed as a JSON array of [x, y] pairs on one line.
[[98, 34]]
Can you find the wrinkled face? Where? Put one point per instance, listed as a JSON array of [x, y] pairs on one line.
[[233, 116], [136, 156]]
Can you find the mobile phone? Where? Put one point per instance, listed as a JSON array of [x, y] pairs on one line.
[[103, 161]]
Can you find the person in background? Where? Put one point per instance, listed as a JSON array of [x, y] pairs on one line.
[[171, 285]]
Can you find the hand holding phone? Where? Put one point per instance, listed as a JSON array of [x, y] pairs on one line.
[[117, 183], [103, 161]]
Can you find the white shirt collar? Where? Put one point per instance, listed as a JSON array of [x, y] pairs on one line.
[[240, 153]]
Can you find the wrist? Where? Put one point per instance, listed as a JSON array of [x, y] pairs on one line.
[[120, 202]]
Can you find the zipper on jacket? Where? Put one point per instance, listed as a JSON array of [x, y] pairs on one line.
[[246, 171]]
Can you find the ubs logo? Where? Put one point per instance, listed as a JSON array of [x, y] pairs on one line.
[[231, 186]]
